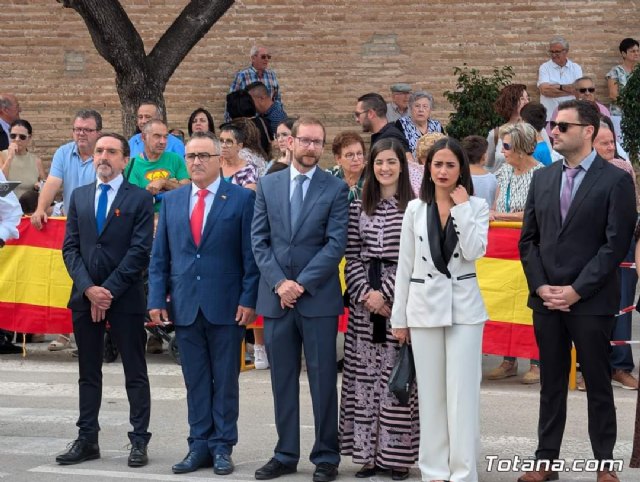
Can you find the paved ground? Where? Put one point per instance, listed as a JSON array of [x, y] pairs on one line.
[[38, 409]]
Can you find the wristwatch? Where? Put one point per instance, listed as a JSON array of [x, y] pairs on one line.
[[1, 243], [561, 88]]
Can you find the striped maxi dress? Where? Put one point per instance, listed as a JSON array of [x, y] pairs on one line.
[[374, 427]]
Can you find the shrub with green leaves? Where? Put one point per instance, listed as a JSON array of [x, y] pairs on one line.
[[629, 102], [473, 101]]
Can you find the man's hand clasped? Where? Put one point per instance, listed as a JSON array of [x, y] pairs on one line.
[[100, 302], [289, 291], [558, 297]]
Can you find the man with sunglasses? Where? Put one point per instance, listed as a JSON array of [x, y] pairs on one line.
[[202, 258], [585, 89], [578, 223], [557, 75], [258, 71]]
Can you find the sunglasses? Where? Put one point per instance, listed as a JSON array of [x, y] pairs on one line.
[[265, 57], [584, 90], [564, 126], [22, 137], [506, 146]]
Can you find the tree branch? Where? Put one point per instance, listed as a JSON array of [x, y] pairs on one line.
[[193, 23], [113, 34]]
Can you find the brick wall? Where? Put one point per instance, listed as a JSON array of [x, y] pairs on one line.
[[325, 53]]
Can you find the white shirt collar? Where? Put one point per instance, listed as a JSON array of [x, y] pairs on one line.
[[294, 172], [115, 183], [212, 188]]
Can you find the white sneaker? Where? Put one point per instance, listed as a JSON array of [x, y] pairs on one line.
[[260, 360]]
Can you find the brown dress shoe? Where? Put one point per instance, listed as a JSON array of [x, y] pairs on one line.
[[607, 476], [539, 476]]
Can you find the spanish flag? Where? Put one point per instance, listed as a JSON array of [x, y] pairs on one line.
[[34, 283], [509, 331]]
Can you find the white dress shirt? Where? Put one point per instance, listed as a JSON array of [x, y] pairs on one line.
[[111, 193], [10, 214], [305, 185], [208, 199]]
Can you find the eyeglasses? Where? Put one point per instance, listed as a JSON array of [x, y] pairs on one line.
[[421, 106], [584, 90], [22, 137], [564, 126], [83, 130], [556, 52], [265, 57], [506, 146], [100, 150], [227, 142], [357, 114], [203, 156], [306, 142], [351, 156]]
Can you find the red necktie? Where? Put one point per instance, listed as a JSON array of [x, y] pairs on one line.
[[197, 217]]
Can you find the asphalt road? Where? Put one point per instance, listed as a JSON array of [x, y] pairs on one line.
[[38, 409]]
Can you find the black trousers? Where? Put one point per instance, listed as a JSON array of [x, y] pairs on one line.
[[591, 335], [130, 337]]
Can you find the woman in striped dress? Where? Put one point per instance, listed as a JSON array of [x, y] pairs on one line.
[[375, 429]]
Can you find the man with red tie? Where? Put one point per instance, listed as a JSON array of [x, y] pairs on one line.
[[202, 258]]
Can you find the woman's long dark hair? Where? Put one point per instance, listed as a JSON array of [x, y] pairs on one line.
[[371, 193], [428, 188]]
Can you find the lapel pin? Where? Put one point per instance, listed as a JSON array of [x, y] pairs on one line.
[[223, 197], [117, 212]]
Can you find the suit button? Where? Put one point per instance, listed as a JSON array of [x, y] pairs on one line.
[[198, 256], [420, 237], [456, 255], [424, 259], [98, 246], [198, 278], [430, 276], [457, 232]]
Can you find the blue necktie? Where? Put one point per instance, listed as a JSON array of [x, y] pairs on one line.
[[101, 212], [296, 200]]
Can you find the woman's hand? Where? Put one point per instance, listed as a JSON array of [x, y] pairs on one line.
[[373, 301], [402, 335], [459, 195]]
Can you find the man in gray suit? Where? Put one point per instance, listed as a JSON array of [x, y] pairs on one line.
[[299, 234]]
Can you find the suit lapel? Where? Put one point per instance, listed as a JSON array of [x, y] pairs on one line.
[[316, 188], [433, 234], [556, 180], [590, 179], [284, 203], [220, 201]]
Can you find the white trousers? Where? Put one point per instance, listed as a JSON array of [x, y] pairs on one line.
[[449, 371]]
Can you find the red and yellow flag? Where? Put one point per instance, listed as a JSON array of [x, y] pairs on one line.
[[509, 330], [34, 283]]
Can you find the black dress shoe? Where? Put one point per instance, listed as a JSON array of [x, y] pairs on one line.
[[325, 472], [138, 455], [8, 348], [399, 474], [366, 472], [192, 462], [79, 451], [274, 469], [222, 464]]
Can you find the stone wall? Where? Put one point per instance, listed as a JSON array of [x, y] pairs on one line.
[[325, 53]]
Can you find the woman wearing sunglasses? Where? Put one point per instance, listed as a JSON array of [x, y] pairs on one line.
[[18, 163], [514, 178]]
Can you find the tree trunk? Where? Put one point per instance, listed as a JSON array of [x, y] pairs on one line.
[[140, 76]]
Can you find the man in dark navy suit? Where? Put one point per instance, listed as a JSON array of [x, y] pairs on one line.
[[202, 258], [578, 224], [106, 248]]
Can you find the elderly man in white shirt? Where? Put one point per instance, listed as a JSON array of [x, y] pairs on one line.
[[10, 214], [557, 76]]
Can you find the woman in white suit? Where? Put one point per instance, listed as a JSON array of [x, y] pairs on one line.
[[439, 308]]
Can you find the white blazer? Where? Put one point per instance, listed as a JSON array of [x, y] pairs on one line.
[[426, 298]]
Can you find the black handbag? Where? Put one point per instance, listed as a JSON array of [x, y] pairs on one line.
[[403, 375]]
